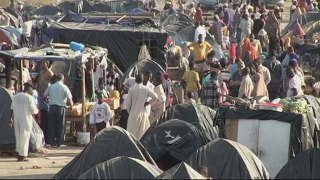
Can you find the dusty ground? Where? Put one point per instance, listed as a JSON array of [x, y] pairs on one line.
[[10, 168]]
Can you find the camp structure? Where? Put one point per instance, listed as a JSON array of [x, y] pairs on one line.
[[303, 166], [7, 137], [107, 144], [122, 168], [124, 42], [45, 10], [9, 38], [302, 20], [198, 115], [172, 142], [141, 67], [78, 7], [180, 171], [226, 159]]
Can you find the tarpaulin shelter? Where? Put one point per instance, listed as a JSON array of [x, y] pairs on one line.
[[107, 144], [82, 6], [303, 130], [198, 115], [187, 34], [180, 171], [141, 67], [14, 31], [7, 137], [122, 168], [123, 42], [172, 142], [8, 37], [303, 166], [226, 159], [178, 18], [302, 20], [45, 10]]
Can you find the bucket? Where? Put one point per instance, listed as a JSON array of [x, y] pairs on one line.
[[83, 138], [76, 46]]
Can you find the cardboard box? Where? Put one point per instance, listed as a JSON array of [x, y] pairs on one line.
[[113, 103]]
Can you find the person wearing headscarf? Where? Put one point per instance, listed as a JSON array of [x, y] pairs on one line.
[[199, 14], [245, 25], [264, 40], [227, 17], [247, 47], [273, 30], [217, 29], [298, 31], [256, 44], [315, 7], [259, 87], [303, 7], [297, 12]]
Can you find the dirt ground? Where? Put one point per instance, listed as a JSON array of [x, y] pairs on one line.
[[50, 164]]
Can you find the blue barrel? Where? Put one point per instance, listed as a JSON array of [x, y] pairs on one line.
[[77, 46]]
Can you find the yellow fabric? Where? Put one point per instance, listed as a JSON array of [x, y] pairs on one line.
[[192, 78], [200, 50], [115, 94]]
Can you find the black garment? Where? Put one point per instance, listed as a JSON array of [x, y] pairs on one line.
[[100, 126], [257, 26], [44, 124], [88, 83], [124, 115], [275, 69], [113, 79], [57, 124]]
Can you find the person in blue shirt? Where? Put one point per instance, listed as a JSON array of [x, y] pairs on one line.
[[172, 10], [234, 67]]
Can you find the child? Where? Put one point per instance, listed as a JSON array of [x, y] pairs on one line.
[[100, 114], [190, 98]]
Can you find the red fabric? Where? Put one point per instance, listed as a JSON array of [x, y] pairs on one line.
[[169, 41], [199, 14], [233, 51]]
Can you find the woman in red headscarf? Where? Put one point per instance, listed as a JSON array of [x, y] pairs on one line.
[[247, 46]]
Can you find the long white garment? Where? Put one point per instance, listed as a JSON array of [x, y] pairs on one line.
[[158, 107], [199, 30], [246, 28], [23, 106], [138, 120]]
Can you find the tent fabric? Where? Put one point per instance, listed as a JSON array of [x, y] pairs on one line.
[[136, 11], [101, 7], [14, 31], [198, 115], [187, 34], [302, 133], [175, 137], [122, 168], [141, 67], [7, 137], [303, 166], [8, 37], [226, 159], [44, 10], [302, 19], [109, 143], [116, 38], [180, 171], [178, 18], [82, 6]]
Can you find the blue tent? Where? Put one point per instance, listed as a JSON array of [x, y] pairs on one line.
[[137, 11]]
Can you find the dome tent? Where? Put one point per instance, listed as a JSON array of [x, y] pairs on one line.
[[7, 136], [180, 171], [198, 115], [107, 144], [122, 168], [171, 142], [304, 166], [226, 159]]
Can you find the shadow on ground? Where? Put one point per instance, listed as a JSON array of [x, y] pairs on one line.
[[33, 176]]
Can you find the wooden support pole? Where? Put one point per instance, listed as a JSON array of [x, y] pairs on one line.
[[84, 111], [92, 64], [7, 63], [20, 68]]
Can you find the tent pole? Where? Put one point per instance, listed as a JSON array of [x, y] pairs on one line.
[[8, 72], [84, 112], [20, 68]]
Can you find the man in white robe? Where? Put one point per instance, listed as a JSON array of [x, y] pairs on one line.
[[138, 120], [23, 107], [246, 25], [158, 107]]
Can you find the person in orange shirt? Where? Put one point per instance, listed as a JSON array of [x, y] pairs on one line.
[[248, 47], [200, 49]]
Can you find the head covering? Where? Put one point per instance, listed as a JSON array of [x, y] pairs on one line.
[[248, 47], [273, 24], [298, 31], [262, 32], [266, 54]]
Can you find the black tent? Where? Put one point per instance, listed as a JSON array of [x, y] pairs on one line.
[[180, 171], [107, 144], [226, 159], [82, 6], [45, 10], [101, 7], [123, 42], [7, 137], [303, 166], [172, 142], [302, 20], [198, 115], [141, 67], [122, 168]]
